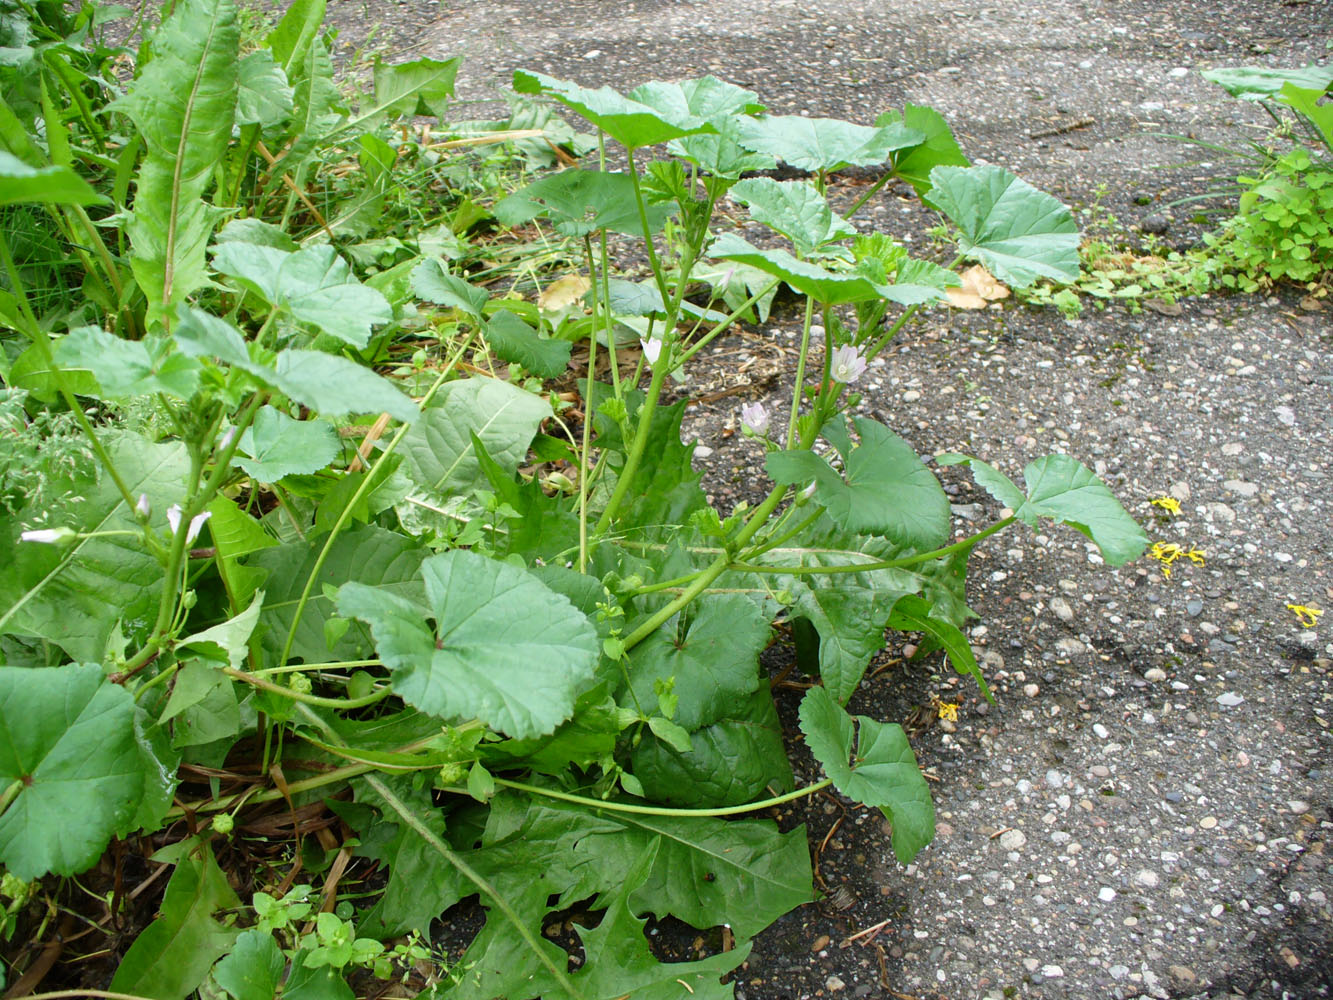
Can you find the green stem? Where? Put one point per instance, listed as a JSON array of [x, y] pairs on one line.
[[967, 543], [273, 794], [606, 312], [725, 324], [679, 581], [356, 499], [476, 878], [629, 807], [584, 472], [800, 371], [908, 313], [308, 699], [642, 206], [869, 193], [786, 536], [316, 667]]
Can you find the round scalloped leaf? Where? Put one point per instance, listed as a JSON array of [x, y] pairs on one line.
[[1019, 233], [70, 758], [505, 648]]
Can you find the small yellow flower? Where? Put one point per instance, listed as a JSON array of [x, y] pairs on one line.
[[1169, 504], [1309, 616]]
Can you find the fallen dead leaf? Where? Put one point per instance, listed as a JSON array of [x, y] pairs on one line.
[[563, 292], [978, 290], [1312, 304], [1163, 307]]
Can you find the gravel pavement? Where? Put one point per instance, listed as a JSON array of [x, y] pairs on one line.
[[1145, 811]]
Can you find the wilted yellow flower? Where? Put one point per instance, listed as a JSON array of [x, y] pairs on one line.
[[1309, 616], [947, 711], [1168, 552], [1169, 504]]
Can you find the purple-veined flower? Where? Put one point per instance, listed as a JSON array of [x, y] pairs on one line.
[[652, 349], [847, 365], [755, 417]]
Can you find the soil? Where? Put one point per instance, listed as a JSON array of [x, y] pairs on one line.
[[1145, 810]]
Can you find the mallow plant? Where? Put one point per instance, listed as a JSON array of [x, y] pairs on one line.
[[328, 586]]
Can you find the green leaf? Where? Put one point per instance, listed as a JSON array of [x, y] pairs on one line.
[[823, 144], [314, 982], [313, 285], [263, 95], [1019, 233], [73, 596], [256, 231], [619, 962], [736, 759], [882, 773], [438, 452], [291, 40], [849, 611], [706, 97], [1065, 490], [171, 958], [1306, 101], [1255, 83], [666, 488], [44, 185], [579, 202], [913, 614], [513, 340], [432, 281], [236, 535], [712, 652], [885, 489], [385, 559], [227, 642], [629, 122], [279, 446], [253, 969], [938, 147], [183, 105], [420, 87], [69, 752], [505, 649], [721, 155], [336, 387], [127, 368], [795, 209], [831, 287]]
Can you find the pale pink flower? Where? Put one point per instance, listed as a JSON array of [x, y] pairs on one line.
[[652, 349], [48, 536], [847, 365], [196, 522], [755, 417]]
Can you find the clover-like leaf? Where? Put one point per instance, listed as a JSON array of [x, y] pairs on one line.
[[881, 771], [314, 285], [579, 202], [885, 489], [1065, 490], [71, 762], [1019, 233], [278, 446], [825, 143], [505, 648], [795, 209]]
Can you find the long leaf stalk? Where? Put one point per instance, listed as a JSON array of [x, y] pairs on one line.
[[585, 472], [360, 494], [723, 325], [631, 807], [916, 559], [800, 371], [476, 878], [308, 699]]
